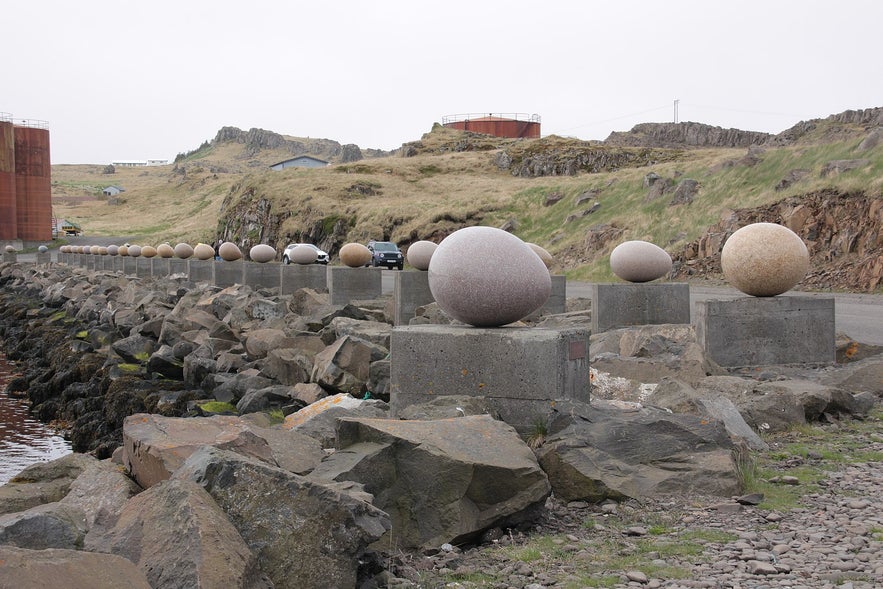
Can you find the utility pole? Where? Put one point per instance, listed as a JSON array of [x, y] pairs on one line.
[[676, 110]]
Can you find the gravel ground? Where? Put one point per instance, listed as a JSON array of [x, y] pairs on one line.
[[832, 538]]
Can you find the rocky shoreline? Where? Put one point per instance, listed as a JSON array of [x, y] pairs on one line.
[[174, 393]]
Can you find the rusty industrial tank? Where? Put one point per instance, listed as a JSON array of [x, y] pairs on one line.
[[513, 125], [33, 182], [7, 181]]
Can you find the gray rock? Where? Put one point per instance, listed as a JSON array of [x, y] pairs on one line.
[[440, 481], [101, 491], [344, 366], [51, 525], [273, 397], [597, 451], [241, 383], [164, 362], [305, 534], [135, 349], [72, 569], [44, 482], [179, 538], [319, 419]]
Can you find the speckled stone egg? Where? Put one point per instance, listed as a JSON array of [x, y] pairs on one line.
[[148, 251], [134, 251], [764, 259], [204, 251], [420, 253], [639, 261], [123, 250], [94, 249], [262, 253], [544, 255], [185, 250], [102, 251], [303, 254], [487, 277], [164, 250], [9, 249], [229, 252], [42, 249], [113, 250], [355, 255]]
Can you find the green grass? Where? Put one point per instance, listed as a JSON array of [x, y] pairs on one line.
[[218, 407]]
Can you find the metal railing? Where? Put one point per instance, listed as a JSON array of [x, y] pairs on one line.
[[32, 123], [516, 116]]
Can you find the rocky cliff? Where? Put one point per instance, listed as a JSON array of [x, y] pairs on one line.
[[256, 140], [843, 232], [675, 135]]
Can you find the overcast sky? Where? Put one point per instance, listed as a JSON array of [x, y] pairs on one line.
[[120, 80]]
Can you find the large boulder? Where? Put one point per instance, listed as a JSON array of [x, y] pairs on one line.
[[440, 481], [305, 534], [51, 525], [101, 491], [155, 446], [343, 366], [44, 482], [72, 569], [601, 451], [318, 420], [179, 537]]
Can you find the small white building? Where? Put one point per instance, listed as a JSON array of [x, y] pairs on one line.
[[301, 161], [112, 191]]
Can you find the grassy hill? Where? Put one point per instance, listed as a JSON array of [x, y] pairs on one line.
[[451, 179]]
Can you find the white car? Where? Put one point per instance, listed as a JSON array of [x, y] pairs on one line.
[[321, 256]]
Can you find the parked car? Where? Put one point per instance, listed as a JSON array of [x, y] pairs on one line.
[[386, 253], [321, 256]]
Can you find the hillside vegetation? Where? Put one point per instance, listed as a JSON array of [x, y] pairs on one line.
[[577, 199]]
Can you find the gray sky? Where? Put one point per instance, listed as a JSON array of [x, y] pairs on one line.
[[146, 80]]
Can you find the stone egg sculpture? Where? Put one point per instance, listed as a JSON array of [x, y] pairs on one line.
[[303, 254], [204, 251], [262, 253], [92, 250], [230, 252], [544, 255], [164, 250], [42, 249], [420, 253], [148, 251], [9, 249], [639, 261], [764, 259], [355, 255], [113, 250], [76, 249], [102, 251], [134, 251], [185, 250], [487, 277]]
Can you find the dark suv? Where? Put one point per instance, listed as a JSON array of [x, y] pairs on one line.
[[386, 253]]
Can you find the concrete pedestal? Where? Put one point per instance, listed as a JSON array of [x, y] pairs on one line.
[[347, 284], [178, 266], [118, 263], [262, 275], [228, 273], [201, 270], [10, 257], [106, 263], [130, 265], [755, 331], [160, 266], [44, 258], [411, 291], [295, 276], [522, 371], [143, 267], [624, 305]]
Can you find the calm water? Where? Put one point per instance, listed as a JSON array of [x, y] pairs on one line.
[[23, 440]]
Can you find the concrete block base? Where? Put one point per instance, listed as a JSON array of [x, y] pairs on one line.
[[10, 257], [347, 284], [411, 291], [144, 267], [522, 371], [229, 273], [178, 266], [130, 265], [201, 270], [296, 276], [44, 258], [262, 275], [761, 331], [625, 305]]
